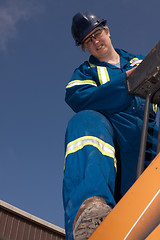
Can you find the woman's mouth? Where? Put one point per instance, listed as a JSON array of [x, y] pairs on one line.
[[99, 47]]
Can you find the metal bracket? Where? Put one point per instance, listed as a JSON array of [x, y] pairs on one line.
[[145, 83]]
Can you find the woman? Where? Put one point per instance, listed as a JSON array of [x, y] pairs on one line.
[[103, 138]]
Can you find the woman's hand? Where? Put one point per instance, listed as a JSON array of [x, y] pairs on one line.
[[129, 72]]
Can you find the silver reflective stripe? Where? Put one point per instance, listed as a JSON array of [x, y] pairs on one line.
[[103, 75], [80, 82], [135, 61], [105, 148]]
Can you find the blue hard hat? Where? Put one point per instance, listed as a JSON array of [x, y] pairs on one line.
[[84, 23]]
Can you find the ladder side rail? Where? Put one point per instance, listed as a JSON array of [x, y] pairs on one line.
[[140, 165]]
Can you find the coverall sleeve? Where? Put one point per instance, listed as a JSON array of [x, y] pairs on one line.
[[85, 94]]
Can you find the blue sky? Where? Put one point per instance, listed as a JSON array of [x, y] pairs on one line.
[[37, 58]]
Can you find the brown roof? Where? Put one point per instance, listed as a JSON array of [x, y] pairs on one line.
[[16, 224]]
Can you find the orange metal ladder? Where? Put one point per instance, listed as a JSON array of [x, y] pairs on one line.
[[137, 215]]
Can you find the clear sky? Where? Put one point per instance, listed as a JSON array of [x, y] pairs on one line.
[[37, 58]]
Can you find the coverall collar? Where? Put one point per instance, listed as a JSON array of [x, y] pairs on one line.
[[124, 58]]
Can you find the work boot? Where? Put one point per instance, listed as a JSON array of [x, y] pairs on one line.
[[90, 215]]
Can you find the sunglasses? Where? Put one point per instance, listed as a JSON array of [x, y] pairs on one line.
[[96, 35]]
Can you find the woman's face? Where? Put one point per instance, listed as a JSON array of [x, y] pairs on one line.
[[98, 42]]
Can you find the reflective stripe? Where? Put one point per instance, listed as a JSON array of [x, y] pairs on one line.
[[90, 64], [80, 82], [103, 75], [105, 148], [135, 61], [154, 108]]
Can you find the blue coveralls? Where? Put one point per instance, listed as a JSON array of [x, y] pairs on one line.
[[103, 138]]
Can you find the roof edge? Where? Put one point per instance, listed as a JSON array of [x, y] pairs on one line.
[[31, 217]]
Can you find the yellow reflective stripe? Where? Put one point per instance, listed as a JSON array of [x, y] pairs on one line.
[[105, 148], [80, 82], [135, 61], [103, 75], [90, 64], [154, 108]]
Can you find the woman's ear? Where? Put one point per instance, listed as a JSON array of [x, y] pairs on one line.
[[107, 31], [83, 48]]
